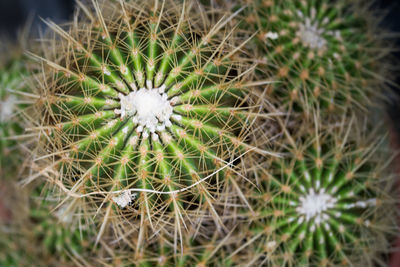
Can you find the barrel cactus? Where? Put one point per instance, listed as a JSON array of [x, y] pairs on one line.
[[55, 229], [199, 253], [326, 54], [12, 73], [36, 232], [143, 106], [328, 202]]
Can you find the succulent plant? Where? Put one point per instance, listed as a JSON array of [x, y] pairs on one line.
[[142, 108], [12, 72], [326, 54], [36, 232], [196, 252], [55, 229], [327, 202]]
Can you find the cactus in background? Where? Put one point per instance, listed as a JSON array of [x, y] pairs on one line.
[[12, 73], [211, 251], [142, 109], [328, 202], [327, 54], [55, 228], [35, 232]]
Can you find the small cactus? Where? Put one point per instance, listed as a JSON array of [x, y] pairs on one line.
[[57, 231], [197, 253], [322, 52], [326, 203], [12, 73]]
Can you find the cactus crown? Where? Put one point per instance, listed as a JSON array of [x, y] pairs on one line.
[[310, 46], [324, 199], [141, 105]]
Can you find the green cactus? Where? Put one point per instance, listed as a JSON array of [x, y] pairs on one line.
[[56, 230], [37, 233], [326, 203], [324, 53], [144, 107], [196, 253], [12, 75]]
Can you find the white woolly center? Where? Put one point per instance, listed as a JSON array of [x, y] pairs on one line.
[[148, 107], [311, 35], [314, 205], [62, 214], [311, 31], [7, 108]]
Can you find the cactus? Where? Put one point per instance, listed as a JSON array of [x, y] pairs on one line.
[[326, 54], [56, 230], [12, 72], [36, 232], [328, 202], [144, 108], [199, 253]]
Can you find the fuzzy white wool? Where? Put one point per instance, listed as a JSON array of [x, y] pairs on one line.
[[63, 215], [311, 35], [148, 107], [124, 199], [271, 35], [311, 32], [314, 205], [7, 108]]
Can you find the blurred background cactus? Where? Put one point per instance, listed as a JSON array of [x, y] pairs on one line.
[[323, 53], [328, 203], [12, 82], [219, 133]]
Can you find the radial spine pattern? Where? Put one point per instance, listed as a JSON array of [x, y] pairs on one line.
[[144, 107], [320, 50], [327, 203]]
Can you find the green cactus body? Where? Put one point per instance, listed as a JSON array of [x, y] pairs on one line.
[[144, 100], [58, 233], [161, 254], [326, 203], [35, 233], [321, 51]]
